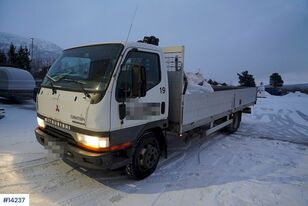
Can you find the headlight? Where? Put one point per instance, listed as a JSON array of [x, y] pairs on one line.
[[41, 123], [93, 142]]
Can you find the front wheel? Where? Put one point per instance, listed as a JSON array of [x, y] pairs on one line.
[[145, 157]]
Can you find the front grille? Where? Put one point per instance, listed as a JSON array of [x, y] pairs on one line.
[[63, 136]]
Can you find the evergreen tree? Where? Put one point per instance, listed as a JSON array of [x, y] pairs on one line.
[[246, 79], [19, 57], [276, 80], [12, 55], [210, 81], [23, 59], [3, 59]]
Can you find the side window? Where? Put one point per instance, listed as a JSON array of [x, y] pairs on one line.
[[151, 63]]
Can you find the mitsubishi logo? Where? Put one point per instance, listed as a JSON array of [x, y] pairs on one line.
[[57, 108]]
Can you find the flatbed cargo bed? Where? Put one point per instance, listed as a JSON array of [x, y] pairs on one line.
[[191, 110]]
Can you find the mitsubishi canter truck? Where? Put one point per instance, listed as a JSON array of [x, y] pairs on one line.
[[110, 105]]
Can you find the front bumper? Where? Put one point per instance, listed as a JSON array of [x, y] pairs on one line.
[[81, 157]]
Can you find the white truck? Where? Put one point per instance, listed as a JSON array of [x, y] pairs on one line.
[[110, 105]]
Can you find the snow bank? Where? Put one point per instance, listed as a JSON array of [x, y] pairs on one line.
[[197, 84], [264, 94], [296, 94]]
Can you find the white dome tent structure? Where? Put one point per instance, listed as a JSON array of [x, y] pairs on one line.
[[15, 83]]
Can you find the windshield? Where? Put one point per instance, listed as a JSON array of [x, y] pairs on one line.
[[90, 66]]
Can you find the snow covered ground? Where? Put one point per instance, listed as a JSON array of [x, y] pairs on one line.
[[264, 163]]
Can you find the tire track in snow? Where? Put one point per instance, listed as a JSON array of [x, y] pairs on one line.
[[174, 169], [272, 138], [191, 151], [289, 130], [13, 169], [302, 115]]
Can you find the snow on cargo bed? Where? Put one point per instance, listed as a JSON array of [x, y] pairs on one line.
[[197, 83], [264, 163]]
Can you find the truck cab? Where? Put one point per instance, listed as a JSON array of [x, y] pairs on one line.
[[105, 106]]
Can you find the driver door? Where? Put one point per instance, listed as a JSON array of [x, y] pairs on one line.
[[134, 111]]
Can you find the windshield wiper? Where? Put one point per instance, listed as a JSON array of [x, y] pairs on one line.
[[52, 80], [54, 91], [86, 93]]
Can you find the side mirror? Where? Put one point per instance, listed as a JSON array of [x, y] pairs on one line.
[[138, 81]]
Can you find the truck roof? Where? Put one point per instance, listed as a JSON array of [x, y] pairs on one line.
[[128, 44]]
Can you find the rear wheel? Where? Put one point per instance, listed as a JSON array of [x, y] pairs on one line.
[[145, 157], [236, 121]]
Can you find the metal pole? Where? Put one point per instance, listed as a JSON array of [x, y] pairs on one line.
[[32, 54], [31, 48]]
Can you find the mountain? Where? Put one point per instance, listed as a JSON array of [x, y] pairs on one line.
[[42, 49]]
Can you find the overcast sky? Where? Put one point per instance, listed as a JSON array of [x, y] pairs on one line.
[[221, 37]]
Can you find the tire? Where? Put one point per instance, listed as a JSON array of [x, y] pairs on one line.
[[145, 157], [236, 121]]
